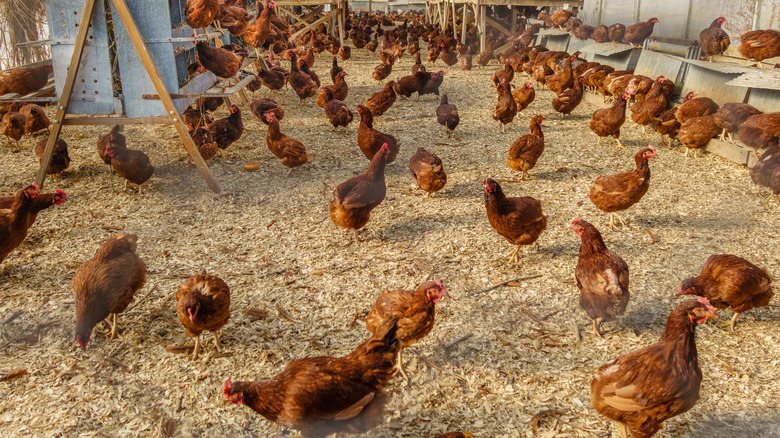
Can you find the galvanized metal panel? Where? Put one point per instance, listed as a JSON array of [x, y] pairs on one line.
[[576, 44], [556, 42], [652, 64], [605, 49], [616, 11], [672, 17], [620, 61], [722, 67], [93, 91], [712, 83], [758, 78], [552, 31], [767, 101], [154, 22]]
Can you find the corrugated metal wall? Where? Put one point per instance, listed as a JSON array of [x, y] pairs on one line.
[[684, 19]]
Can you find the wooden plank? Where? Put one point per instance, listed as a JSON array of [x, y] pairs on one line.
[[464, 25], [497, 25], [111, 121], [67, 89], [482, 26], [341, 26], [316, 23], [159, 86]]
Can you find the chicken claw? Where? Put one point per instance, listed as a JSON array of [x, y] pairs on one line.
[[596, 325], [400, 367], [514, 256], [732, 323], [618, 143], [196, 349], [113, 333]]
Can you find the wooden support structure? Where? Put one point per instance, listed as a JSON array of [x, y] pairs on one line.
[[316, 10], [172, 117]]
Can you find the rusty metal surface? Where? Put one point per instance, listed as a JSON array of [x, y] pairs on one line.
[[93, 90], [767, 79]]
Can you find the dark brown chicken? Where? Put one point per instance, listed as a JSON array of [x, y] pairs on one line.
[[642, 389], [466, 60], [305, 69], [418, 65], [205, 143], [233, 17], [569, 99], [273, 78], [506, 72], [60, 160], [449, 57], [13, 126], [617, 33], [303, 85], [730, 115], [201, 13], [759, 45], [260, 107], [428, 170], [607, 121], [644, 111], [203, 304], [105, 284], [336, 111], [526, 150], [354, 199], [222, 62], [430, 84], [382, 100], [382, 71], [370, 140], [612, 193], [714, 40], [506, 107], [696, 132], [486, 55], [524, 96], [18, 213], [761, 131], [339, 90], [35, 118], [194, 118], [132, 165], [335, 69], [636, 34], [519, 220], [114, 137], [290, 151], [345, 52], [416, 312], [602, 276], [667, 125], [447, 114], [320, 396], [695, 107], [228, 130], [408, 85], [766, 172], [728, 281], [259, 30], [600, 34]]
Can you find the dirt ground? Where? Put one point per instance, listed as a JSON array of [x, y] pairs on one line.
[[514, 361]]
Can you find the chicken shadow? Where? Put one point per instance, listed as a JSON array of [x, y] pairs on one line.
[[671, 220], [414, 228], [763, 424]]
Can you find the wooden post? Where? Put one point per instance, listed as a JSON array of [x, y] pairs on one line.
[[483, 29], [463, 26], [67, 89], [514, 19], [341, 27], [165, 98], [454, 22], [369, 7]]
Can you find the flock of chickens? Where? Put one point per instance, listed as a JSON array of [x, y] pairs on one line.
[[324, 395]]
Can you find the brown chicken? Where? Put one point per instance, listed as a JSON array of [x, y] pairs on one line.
[[617, 33], [602, 276], [728, 281], [222, 62], [382, 71], [696, 132], [506, 107], [761, 131], [569, 99], [448, 56], [607, 121], [335, 69], [563, 79], [336, 111], [203, 304], [612, 193], [714, 40], [730, 115], [519, 220], [273, 78], [526, 150], [418, 65], [370, 140], [305, 69], [345, 52], [114, 137], [695, 107], [234, 17], [455, 435], [430, 84], [466, 60], [339, 90], [303, 84], [259, 30], [290, 151], [432, 54], [260, 107], [642, 389], [524, 96], [35, 118], [583, 31], [416, 311], [60, 160], [228, 130], [759, 45], [766, 172], [506, 72], [132, 165], [636, 34], [447, 114], [428, 170], [201, 13], [644, 111], [354, 199], [18, 213], [204, 141], [600, 34], [320, 396], [25, 80], [105, 284], [486, 55], [195, 118], [13, 126], [667, 125], [408, 85], [382, 100], [561, 16]]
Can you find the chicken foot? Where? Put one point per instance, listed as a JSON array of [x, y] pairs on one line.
[[399, 366], [514, 256], [596, 326], [619, 145], [733, 322], [113, 333], [612, 223], [196, 349], [216, 341]]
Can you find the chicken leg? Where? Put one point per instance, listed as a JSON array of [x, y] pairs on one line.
[[196, 349], [357, 238], [216, 341], [596, 325], [733, 322], [618, 143], [612, 224], [399, 365], [514, 256], [113, 333]]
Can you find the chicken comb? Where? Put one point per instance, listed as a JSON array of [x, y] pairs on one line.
[[228, 386], [706, 303], [652, 148], [575, 221], [385, 146], [62, 194], [35, 186]]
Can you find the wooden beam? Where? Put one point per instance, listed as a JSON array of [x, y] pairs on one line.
[[497, 25], [111, 121], [482, 26], [316, 23], [341, 26], [67, 89], [175, 118], [464, 24]]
